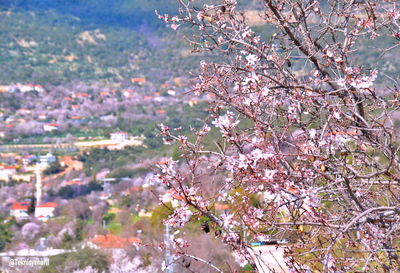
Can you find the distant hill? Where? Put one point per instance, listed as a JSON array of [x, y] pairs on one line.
[[60, 40], [125, 13], [57, 41]]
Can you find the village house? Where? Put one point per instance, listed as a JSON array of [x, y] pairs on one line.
[[45, 211], [119, 136], [50, 127], [10, 126], [148, 98], [23, 177], [6, 172], [110, 241], [28, 159], [128, 93], [23, 111], [76, 117], [171, 92], [19, 210], [160, 99], [24, 88], [78, 120], [139, 81], [75, 181], [3, 88], [46, 160], [160, 112], [41, 117], [80, 95], [39, 88]]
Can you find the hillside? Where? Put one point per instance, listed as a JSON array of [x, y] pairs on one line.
[[59, 41]]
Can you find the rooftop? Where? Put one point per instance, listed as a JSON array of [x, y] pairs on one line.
[[113, 241], [20, 206]]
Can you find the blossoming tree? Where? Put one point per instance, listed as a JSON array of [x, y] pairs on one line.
[[308, 149]]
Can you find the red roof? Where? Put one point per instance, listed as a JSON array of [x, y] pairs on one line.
[[48, 205], [220, 206], [133, 189], [53, 124], [74, 182], [112, 241], [20, 206], [10, 167], [138, 80]]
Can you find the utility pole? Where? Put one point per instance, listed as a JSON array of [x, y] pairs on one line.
[[38, 184], [168, 259]]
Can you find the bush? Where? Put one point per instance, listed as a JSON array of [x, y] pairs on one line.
[[77, 260], [54, 168], [5, 234]]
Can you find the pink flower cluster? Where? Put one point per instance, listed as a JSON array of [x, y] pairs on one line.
[[226, 123], [179, 217]]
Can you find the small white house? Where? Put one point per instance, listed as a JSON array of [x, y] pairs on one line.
[[171, 93], [45, 211], [28, 159], [6, 172], [50, 127], [46, 160], [19, 210], [119, 136]]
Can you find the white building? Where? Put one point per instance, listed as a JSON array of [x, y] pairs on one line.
[[45, 211], [46, 160], [50, 127], [19, 210], [120, 136], [28, 159], [6, 172]]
